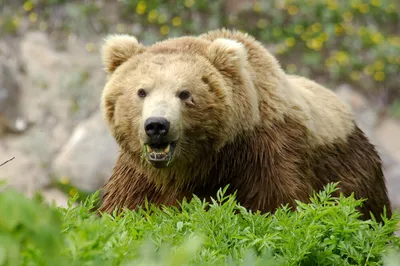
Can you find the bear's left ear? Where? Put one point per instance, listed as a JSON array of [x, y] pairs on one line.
[[227, 54], [118, 48]]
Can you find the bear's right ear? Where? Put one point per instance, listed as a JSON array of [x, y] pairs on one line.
[[118, 48], [227, 55]]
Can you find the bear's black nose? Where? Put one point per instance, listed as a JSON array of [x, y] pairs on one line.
[[156, 127]]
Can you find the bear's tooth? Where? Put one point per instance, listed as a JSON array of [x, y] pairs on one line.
[[167, 148], [149, 149]]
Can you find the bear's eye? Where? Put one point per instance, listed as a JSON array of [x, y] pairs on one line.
[[142, 93], [184, 95]]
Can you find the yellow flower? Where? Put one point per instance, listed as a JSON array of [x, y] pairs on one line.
[[73, 192], [332, 5], [314, 44], [293, 10], [376, 2], [189, 3], [141, 7], [176, 21], [379, 76], [379, 65], [377, 38], [347, 16], [355, 3], [261, 23], [323, 37], [342, 58], [290, 42], [33, 17], [164, 30], [28, 5], [339, 29], [257, 7], [64, 180], [316, 27], [152, 16], [355, 75], [298, 29], [363, 8]]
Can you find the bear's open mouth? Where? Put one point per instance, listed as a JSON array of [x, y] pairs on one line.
[[160, 155]]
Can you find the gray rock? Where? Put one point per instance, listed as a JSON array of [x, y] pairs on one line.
[[364, 113], [88, 157], [25, 173], [393, 183], [10, 114], [52, 84], [355, 99], [388, 135], [56, 196]]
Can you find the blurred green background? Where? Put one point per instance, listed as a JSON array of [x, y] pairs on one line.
[[332, 41]]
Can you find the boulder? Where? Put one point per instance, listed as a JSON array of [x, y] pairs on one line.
[[10, 114], [86, 161]]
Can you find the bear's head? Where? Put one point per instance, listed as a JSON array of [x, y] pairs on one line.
[[175, 101]]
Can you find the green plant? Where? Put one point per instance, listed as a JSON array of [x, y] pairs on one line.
[[325, 231]]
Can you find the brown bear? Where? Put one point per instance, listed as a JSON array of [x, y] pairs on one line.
[[196, 113]]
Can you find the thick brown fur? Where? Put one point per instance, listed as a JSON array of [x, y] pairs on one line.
[[274, 138]]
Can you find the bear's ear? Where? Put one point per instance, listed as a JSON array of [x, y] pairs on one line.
[[227, 55], [117, 49]]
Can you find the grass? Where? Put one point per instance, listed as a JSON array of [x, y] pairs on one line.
[[326, 231]]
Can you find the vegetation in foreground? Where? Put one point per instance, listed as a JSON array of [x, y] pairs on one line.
[[326, 231]]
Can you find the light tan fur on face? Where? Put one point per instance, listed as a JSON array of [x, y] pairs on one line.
[[162, 104], [162, 87]]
